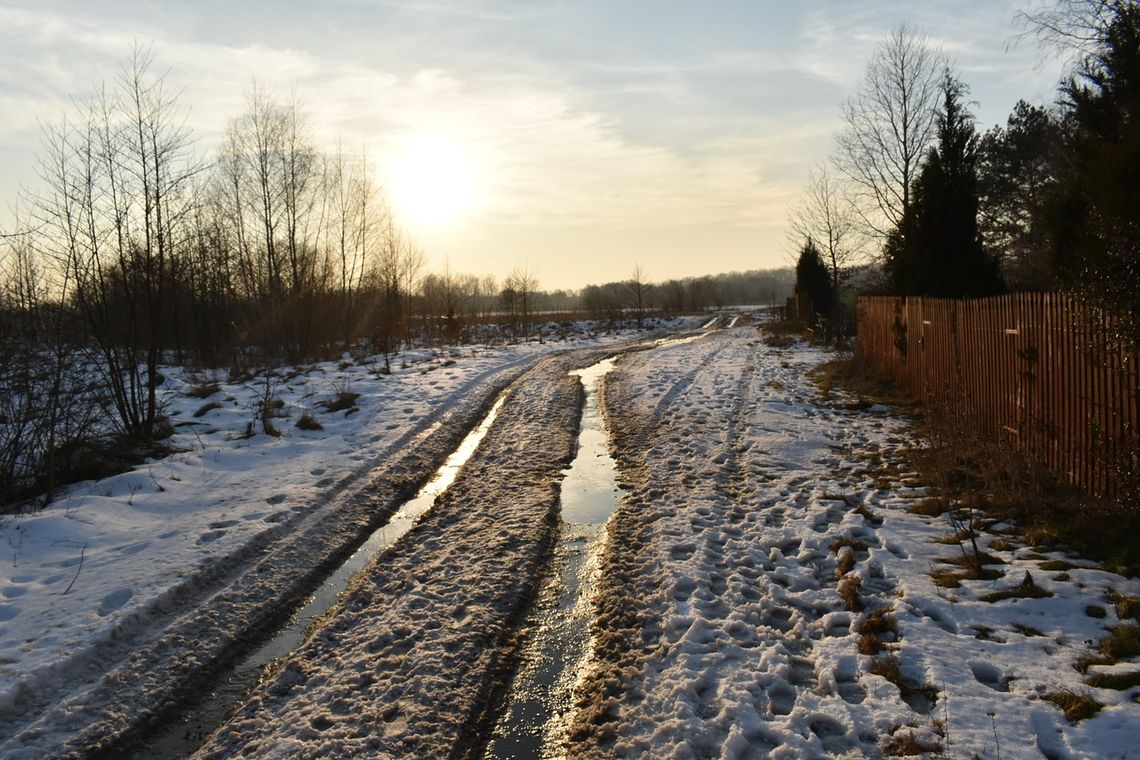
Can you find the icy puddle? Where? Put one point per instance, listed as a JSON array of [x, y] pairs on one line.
[[184, 736], [556, 650]]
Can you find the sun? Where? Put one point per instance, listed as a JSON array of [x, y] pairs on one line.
[[432, 182]]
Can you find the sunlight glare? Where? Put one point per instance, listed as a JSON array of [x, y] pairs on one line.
[[432, 182]]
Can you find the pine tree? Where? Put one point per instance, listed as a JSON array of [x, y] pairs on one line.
[[1095, 219], [937, 248], [813, 281]]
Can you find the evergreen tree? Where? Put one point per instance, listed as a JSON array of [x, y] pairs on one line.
[[813, 281], [1017, 174], [937, 248], [1094, 224]]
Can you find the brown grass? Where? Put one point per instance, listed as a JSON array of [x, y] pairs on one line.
[[1077, 706], [1017, 592], [906, 743], [343, 401], [845, 564], [947, 579], [849, 590], [854, 543], [855, 379], [1127, 607], [877, 627], [929, 507], [206, 408], [869, 644], [308, 422], [203, 390], [1117, 681], [887, 666], [1122, 643], [1000, 482], [1085, 662]]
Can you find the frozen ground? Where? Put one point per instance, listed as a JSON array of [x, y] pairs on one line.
[[722, 631], [226, 529], [764, 593], [408, 666]]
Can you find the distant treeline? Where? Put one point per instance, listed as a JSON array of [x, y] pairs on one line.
[[135, 252]]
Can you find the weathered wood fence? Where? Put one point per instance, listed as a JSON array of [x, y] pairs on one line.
[[1039, 371]]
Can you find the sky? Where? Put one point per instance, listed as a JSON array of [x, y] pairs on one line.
[[577, 139]]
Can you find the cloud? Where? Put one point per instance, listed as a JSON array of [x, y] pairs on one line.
[[543, 160]]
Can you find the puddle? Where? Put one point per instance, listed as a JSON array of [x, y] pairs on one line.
[[187, 732], [533, 720]]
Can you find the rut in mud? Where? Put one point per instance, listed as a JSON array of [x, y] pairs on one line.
[[184, 735], [557, 646]]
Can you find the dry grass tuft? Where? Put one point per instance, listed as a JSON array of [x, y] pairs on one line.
[[929, 507], [1085, 662], [845, 564], [907, 743], [308, 422], [1077, 706], [203, 390], [854, 543], [849, 590], [206, 408], [1122, 643], [1127, 607], [1116, 681], [1027, 589]]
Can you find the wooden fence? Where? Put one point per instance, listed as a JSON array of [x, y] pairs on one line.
[[1039, 371]]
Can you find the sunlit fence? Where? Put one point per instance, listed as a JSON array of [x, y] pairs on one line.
[[1040, 371]]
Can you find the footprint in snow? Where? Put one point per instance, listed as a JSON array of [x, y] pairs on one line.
[[682, 551], [8, 611], [13, 592], [210, 537], [277, 499], [114, 601], [989, 675], [223, 524], [782, 699], [134, 548]]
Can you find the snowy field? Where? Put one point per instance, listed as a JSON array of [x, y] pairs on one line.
[[765, 591], [766, 595], [90, 580]]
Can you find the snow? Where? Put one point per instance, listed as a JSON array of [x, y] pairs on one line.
[[409, 663], [151, 574], [721, 629]]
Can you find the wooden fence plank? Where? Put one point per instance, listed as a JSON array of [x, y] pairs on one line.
[[1037, 370]]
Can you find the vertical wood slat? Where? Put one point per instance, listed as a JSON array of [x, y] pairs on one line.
[[1039, 371]]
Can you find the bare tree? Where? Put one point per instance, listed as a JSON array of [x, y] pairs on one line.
[[639, 293], [517, 298], [120, 192], [825, 215], [1072, 25], [889, 126]]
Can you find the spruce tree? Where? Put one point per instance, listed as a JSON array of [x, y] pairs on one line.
[[813, 281], [937, 248], [1094, 221]]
